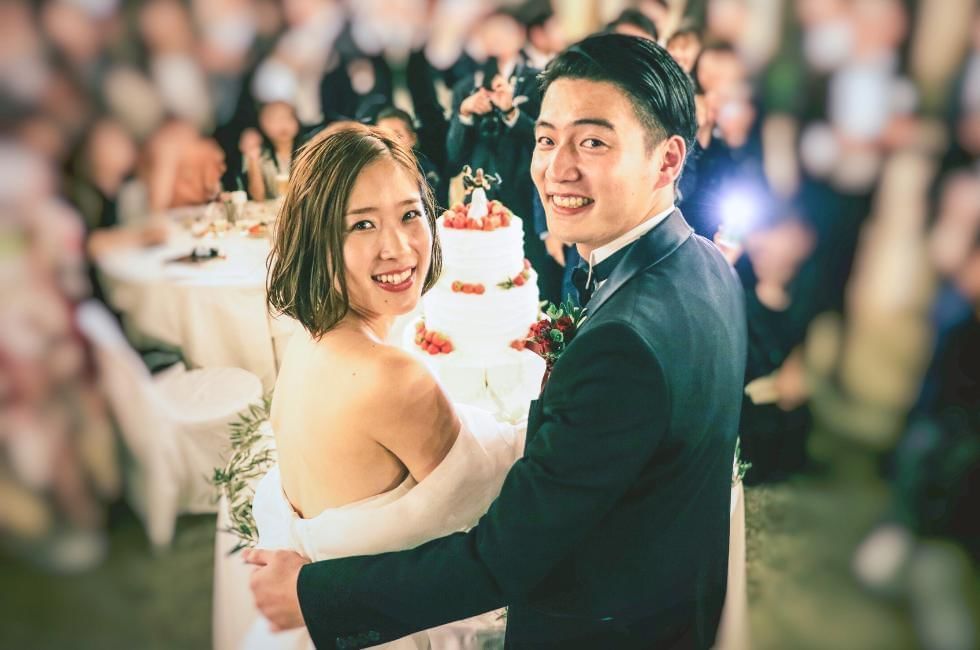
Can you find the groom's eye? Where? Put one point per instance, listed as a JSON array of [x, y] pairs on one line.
[[593, 143], [362, 225], [545, 141]]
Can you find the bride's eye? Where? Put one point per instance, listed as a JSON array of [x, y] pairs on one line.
[[411, 214]]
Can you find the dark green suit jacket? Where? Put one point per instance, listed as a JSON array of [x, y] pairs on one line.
[[612, 529]]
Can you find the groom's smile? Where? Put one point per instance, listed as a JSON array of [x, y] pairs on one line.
[[570, 204]]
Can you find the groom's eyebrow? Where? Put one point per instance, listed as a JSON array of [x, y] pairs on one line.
[[582, 121], [594, 121], [371, 208]]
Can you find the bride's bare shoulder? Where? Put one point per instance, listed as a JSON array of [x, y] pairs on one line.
[[415, 420], [363, 370]]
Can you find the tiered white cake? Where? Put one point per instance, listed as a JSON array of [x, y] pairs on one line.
[[480, 309]]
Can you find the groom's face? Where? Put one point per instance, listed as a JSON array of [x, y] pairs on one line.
[[596, 171]]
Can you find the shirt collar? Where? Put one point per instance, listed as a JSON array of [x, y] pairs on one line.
[[607, 251]]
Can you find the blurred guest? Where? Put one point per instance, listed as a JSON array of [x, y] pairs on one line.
[[57, 458], [430, 125], [719, 72], [779, 275], [268, 153], [114, 203], [727, 160], [658, 12], [181, 167], [545, 39], [402, 125], [79, 40], [168, 34], [492, 127], [685, 46], [632, 22], [357, 89]]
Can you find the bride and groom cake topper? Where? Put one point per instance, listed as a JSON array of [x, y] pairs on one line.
[[603, 520]]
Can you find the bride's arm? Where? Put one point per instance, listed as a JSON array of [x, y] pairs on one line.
[[415, 420]]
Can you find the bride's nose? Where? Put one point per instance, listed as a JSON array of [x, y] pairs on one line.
[[394, 243]]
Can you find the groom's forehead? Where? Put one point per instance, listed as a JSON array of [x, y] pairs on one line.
[[571, 99]]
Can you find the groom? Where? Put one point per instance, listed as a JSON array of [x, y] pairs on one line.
[[612, 530]]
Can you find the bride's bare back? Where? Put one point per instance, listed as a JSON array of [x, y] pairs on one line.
[[353, 418]]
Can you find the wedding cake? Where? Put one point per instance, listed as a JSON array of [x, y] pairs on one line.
[[477, 315]]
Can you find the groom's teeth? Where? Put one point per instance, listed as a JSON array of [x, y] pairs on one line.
[[570, 201]]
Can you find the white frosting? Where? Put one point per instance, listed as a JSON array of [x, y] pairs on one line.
[[503, 385], [482, 325], [478, 256]]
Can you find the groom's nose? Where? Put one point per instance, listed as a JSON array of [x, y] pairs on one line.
[[562, 165]]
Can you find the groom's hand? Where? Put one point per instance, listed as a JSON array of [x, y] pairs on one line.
[[273, 585]]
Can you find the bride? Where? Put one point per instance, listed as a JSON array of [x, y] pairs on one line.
[[372, 455]]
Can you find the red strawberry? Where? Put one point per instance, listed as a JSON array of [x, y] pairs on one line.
[[478, 289], [438, 339], [505, 220], [467, 288], [527, 263], [428, 336], [447, 347], [519, 280], [471, 223], [433, 349], [457, 286]]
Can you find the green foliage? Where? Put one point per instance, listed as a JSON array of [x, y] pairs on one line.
[[741, 466], [251, 457]]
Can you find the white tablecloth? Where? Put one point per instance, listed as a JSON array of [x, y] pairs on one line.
[[213, 311]]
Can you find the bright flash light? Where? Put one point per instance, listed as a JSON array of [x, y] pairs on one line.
[[740, 208]]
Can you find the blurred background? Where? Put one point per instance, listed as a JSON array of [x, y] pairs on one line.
[[836, 166]]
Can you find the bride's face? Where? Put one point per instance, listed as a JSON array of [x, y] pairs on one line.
[[387, 243]]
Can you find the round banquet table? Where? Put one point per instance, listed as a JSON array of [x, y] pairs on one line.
[[213, 311]]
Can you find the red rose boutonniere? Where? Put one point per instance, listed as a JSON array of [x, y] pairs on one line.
[[549, 337]]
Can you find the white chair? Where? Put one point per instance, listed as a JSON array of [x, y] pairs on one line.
[[175, 426]]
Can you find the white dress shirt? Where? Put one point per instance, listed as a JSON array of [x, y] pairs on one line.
[[607, 250]]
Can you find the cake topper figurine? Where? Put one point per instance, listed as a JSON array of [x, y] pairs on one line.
[[479, 180], [475, 187]]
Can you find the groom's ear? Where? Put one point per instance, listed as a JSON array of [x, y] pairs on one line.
[[670, 160]]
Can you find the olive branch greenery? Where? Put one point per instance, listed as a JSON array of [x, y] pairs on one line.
[[741, 466], [251, 457]]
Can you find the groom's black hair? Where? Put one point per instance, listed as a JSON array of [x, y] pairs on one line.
[[661, 92]]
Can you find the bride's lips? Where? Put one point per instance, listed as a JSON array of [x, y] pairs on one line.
[[396, 281], [570, 204]]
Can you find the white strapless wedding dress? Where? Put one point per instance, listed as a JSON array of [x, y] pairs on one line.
[[452, 498]]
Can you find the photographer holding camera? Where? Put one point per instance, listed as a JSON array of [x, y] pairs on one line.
[[492, 127]]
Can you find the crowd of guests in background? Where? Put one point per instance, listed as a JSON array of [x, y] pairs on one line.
[[836, 166]]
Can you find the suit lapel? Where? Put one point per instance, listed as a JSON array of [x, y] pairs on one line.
[[647, 251]]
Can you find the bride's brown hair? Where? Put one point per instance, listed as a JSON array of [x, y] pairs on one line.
[[306, 277]]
